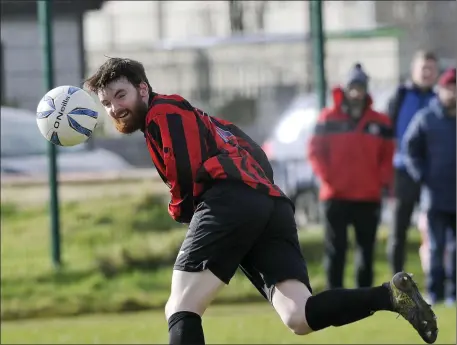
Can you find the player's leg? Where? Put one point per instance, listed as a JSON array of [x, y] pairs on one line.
[[365, 216], [335, 243], [191, 293], [277, 268], [223, 228], [277, 263], [339, 307]]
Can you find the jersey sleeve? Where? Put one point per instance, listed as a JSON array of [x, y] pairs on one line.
[[177, 135]]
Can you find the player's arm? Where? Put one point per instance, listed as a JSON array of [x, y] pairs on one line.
[[318, 149], [414, 146], [177, 136]]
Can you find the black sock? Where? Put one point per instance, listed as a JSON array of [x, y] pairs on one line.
[[185, 328], [340, 307]]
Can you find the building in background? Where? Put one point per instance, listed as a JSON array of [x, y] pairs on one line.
[[123, 23], [22, 55], [215, 53], [195, 49], [426, 24]]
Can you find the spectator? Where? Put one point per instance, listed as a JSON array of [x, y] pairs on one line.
[[409, 98], [351, 153], [430, 146]]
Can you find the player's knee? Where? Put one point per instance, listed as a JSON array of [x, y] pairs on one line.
[[289, 300], [181, 303], [192, 291], [169, 309], [295, 320]]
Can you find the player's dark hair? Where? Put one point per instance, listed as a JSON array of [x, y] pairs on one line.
[[114, 69], [425, 55]]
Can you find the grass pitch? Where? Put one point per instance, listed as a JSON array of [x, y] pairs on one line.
[[107, 226], [237, 324]]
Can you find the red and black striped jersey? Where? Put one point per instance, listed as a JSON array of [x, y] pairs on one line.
[[191, 149]]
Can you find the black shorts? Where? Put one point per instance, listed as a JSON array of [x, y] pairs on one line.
[[237, 226]]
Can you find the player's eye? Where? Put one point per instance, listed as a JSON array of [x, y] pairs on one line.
[[121, 96]]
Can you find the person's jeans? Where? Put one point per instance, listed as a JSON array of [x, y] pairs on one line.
[[442, 237], [407, 193]]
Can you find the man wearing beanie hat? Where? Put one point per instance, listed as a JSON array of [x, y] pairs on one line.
[[351, 153], [430, 146]]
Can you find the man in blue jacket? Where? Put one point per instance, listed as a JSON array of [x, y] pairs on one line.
[[409, 98], [430, 146]]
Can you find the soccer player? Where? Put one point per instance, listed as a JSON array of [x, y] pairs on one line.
[[221, 184]]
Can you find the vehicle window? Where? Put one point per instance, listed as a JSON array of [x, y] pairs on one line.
[[21, 139]]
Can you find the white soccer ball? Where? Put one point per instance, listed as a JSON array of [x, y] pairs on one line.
[[67, 115]]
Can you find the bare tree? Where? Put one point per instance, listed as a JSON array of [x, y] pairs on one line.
[[260, 9], [236, 14]]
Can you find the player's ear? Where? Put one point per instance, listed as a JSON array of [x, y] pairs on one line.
[[143, 89]]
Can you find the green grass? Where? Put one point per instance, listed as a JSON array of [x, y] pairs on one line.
[[246, 324], [118, 254]]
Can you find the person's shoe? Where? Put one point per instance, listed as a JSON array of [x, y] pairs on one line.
[[409, 303]]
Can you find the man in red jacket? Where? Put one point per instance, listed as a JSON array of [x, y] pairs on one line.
[[351, 153], [221, 184]]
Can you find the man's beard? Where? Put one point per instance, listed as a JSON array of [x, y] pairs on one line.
[[135, 120], [355, 107]]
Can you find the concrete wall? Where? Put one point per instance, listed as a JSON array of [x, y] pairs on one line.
[[134, 29], [250, 69], [245, 66], [141, 23]]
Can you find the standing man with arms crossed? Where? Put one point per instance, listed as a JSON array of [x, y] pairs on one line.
[[351, 153], [407, 101], [221, 184], [430, 146]]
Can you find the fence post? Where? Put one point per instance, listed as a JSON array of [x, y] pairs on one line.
[[45, 27], [203, 70], [318, 45]]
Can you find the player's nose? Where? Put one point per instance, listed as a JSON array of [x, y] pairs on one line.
[[115, 111]]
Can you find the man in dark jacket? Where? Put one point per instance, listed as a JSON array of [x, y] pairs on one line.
[[407, 101], [430, 144], [351, 153]]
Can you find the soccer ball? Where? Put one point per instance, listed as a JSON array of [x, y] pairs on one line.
[[67, 116]]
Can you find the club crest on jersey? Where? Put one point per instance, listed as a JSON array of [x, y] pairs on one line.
[[224, 134], [374, 129]]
